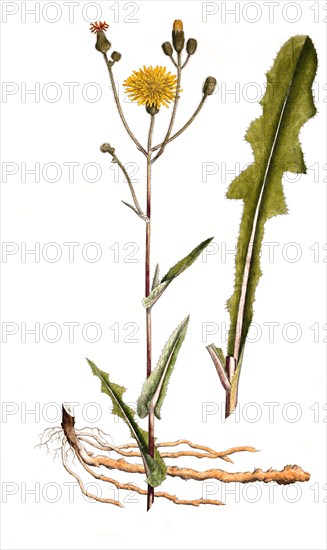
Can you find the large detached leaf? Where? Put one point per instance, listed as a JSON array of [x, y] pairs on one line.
[[287, 105], [155, 388], [154, 467], [158, 287]]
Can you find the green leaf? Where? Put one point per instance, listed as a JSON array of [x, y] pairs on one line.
[[219, 361], [220, 354], [182, 265], [154, 295], [154, 467], [156, 277], [287, 105], [155, 388]]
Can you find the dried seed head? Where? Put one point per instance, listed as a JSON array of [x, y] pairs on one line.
[[167, 48], [178, 35], [116, 56], [191, 46], [209, 85], [102, 43], [106, 148]]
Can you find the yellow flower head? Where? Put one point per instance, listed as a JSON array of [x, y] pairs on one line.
[[151, 86]]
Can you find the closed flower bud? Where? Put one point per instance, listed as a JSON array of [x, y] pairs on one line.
[[178, 25], [116, 56], [178, 35], [191, 46], [167, 48], [209, 85], [152, 109], [102, 43], [106, 148]]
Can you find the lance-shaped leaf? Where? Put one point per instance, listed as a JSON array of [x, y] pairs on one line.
[[155, 294], [186, 262], [155, 388], [154, 467], [156, 277], [176, 270], [219, 361], [287, 105]]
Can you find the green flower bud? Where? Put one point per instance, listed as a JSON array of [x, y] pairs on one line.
[[152, 109], [102, 43], [209, 85], [116, 56], [191, 46], [178, 35], [106, 148], [167, 48]]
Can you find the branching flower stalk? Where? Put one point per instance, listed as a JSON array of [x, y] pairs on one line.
[[153, 88]]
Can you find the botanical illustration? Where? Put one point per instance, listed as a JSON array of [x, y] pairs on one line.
[[287, 105]]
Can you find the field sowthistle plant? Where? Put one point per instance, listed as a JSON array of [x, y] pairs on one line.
[[152, 88]]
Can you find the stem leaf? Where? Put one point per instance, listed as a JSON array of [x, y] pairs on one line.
[[156, 278], [155, 388], [155, 467], [176, 270], [154, 295], [186, 262]]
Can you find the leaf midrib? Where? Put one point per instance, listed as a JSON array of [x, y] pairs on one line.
[[131, 420], [249, 255]]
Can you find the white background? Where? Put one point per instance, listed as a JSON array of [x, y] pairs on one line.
[[187, 208]]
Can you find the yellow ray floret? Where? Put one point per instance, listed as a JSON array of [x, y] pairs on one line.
[[151, 86]]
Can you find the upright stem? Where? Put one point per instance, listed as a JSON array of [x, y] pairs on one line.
[[147, 292]]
